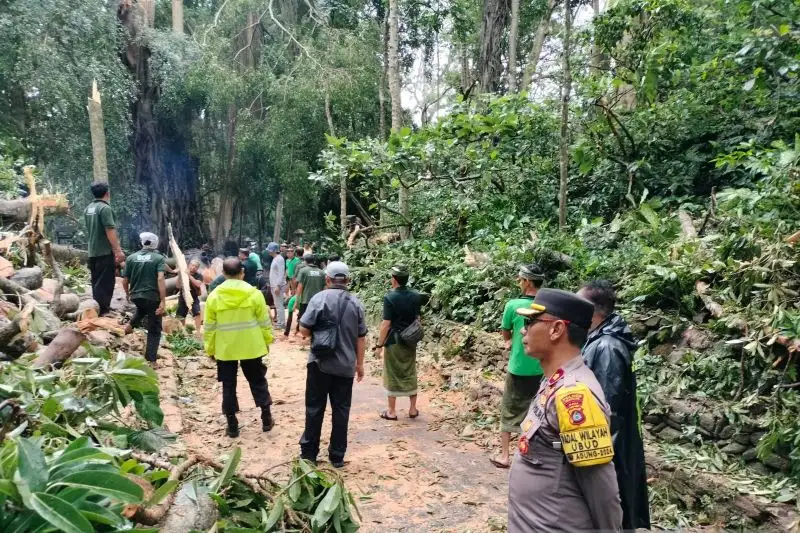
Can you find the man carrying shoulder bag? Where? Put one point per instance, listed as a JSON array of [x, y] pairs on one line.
[[334, 319]]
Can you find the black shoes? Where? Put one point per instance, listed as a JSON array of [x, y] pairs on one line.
[[232, 430], [337, 464], [267, 423]]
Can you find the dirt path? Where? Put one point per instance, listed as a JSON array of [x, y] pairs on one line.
[[407, 476]]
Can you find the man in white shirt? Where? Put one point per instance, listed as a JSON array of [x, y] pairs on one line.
[[277, 282]]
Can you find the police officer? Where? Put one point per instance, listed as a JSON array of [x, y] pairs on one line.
[[563, 477]]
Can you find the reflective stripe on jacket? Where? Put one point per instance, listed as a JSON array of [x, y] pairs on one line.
[[237, 324]]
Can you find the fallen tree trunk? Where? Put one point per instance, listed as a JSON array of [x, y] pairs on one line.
[[60, 349], [15, 292], [29, 278], [687, 225], [67, 254], [19, 211]]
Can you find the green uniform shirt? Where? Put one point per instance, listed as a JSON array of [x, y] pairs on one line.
[[99, 217], [298, 269], [219, 280], [291, 265], [250, 271], [141, 269], [519, 364], [313, 281]]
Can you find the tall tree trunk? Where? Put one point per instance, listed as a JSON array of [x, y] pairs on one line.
[[538, 43], [394, 90], [164, 169], [513, 34], [177, 16], [343, 176], [276, 234], [594, 65], [382, 107], [95, 108], [566, 88], [224, 223], [493, 24]]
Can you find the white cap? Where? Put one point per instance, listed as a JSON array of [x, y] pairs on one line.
[[149, 239], [337, 269]]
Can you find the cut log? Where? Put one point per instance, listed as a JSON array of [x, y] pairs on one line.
[[15, 292], [28, 278], [68, 254], [687, 225], [112, 325], [19, 211], [62, 303], [63, 346], [6, 268], [183, 268], [793, 238], [702, 289]]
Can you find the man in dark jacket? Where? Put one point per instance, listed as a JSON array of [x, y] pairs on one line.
[[609, 353]]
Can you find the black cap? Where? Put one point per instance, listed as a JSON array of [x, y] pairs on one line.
[[561, 304]]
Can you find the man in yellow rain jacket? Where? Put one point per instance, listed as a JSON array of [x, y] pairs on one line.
[[238, 332]]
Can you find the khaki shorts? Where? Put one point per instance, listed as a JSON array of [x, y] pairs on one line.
[[518, 393]]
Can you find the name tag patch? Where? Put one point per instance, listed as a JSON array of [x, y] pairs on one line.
[[588, 446]]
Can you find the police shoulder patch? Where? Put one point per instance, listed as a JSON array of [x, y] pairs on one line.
[[583, 426]]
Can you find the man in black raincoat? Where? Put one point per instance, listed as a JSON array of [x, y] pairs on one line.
[[609, 353]]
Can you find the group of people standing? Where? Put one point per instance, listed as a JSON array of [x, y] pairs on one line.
[[570, 392], [570, 389]]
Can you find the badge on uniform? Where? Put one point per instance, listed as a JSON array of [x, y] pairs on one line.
[[583, 427], [527, 425], [523, 445], [557, 375]]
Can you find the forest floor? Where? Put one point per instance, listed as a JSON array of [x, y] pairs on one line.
[[409, 475]]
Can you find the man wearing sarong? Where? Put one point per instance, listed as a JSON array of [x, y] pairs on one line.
[[401, 306]]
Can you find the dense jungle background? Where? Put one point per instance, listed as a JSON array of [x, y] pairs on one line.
[[651, 142]]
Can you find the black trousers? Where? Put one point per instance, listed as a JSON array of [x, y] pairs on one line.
[[256, 374], [146, 311], [103, 271], [320, 387]]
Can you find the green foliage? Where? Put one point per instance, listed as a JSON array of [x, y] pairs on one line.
[[184, 344]]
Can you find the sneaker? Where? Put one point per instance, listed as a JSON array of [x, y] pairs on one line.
[[267, 422], [232, 430]]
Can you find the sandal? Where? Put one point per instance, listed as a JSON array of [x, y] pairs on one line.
[[499, 464], [415, 415], [385, 416]]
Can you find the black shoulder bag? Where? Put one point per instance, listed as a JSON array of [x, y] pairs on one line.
[[325, 336]]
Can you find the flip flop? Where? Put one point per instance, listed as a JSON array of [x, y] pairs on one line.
[[385, 416], [415, 415], [498, 464]]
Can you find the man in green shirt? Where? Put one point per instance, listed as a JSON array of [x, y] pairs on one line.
[[103, 243], [524, 373], [145, 286], [310, 281], [291, 264], [250, 267]]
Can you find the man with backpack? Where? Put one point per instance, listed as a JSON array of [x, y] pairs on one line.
[[334, 319]]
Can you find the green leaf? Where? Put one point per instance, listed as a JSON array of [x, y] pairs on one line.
[[162, 492], [106, 484], [81, 454], [326, 508], [275, 515], [151, 440], [229, 470], [100, 515], [32, 467], [148, 406], [60, 514]]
